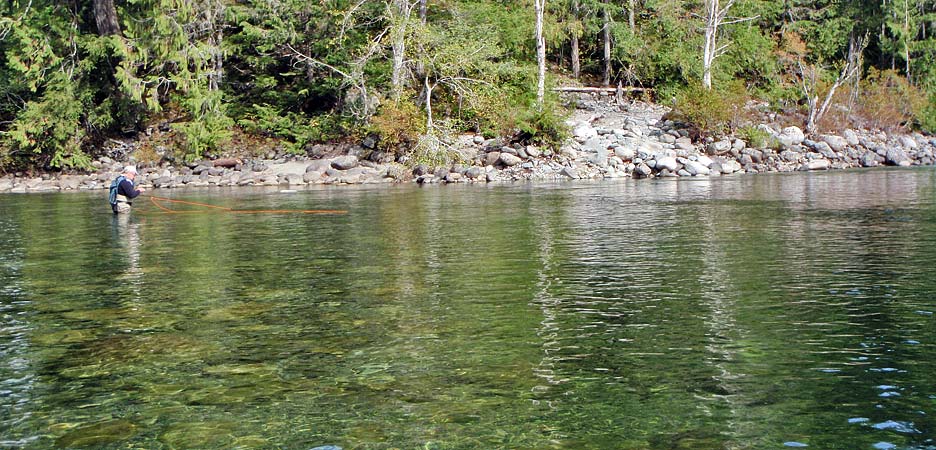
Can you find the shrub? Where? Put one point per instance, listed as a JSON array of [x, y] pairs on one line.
[[927, 116], [542, 126], [204, 135], [398, 126], [47, 131], [888, 101], [437, 149], [712, 111], [296, 129], [755, 137]]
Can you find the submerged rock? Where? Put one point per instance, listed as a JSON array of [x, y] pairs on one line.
[[98, 434]]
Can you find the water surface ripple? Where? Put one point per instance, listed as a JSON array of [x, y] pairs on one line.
[[741, 312]]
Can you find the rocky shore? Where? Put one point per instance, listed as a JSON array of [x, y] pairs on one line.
[[609, 141]]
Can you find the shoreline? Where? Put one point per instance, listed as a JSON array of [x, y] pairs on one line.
[[609, 140]]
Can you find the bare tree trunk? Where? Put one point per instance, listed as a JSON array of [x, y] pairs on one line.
[[399, 12], [708, 50], [539, 6], [907, 38], [420, 65], [576, 52], [428, 89], [851, 70], [606, 33], [715, 16], [631, 11], [105, 15]]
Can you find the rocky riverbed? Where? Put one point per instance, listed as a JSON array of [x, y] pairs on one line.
[[610, 140]]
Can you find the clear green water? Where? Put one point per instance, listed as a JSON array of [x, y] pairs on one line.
[[746, 312]]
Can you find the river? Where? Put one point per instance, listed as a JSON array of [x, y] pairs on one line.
[[738, 312]]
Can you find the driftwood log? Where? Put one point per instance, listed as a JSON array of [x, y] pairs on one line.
[[227, 162], [617, 91], [601, 90]]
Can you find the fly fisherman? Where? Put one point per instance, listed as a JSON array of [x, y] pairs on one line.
[[122, 191]]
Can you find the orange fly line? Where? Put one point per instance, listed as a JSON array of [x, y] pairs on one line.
[[156, 202]]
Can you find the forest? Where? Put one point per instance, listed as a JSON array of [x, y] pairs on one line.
[[195, 78]]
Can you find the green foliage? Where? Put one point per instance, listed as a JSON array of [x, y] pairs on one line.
[[55, 94], [751, 57], [671, 50], [437, 149], [398, 126], [509, 25], [295, 129], [755, 137], [890, 102], [206, 134], [538, 126], [295, 70], [713, 111], [45, 131], [927, 115]]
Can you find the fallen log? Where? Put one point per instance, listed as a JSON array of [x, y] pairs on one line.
[[227, 162], [602, 89]]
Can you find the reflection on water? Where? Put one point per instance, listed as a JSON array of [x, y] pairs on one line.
[[744, 312]]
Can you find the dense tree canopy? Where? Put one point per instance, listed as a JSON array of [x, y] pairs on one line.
[[77, 72]]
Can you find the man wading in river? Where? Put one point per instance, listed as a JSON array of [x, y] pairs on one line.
[[122, 191]]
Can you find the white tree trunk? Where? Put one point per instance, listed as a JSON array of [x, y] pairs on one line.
[[715, 15], [852, 70], [399, 13], [428, 89], [576, 52], [907, 38], [539, 6], [631, 12], [708, 49], [606, 38]]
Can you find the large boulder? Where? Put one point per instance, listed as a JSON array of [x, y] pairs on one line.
[[583, 132], [595, 145], [730, 166], [719, 147], [851, 137], [569, 172], [908, 142], [599, 157], [346, 162], [791, 136], [869, 159], [696, 168], [625, 153], [667, 163], [642, 170], [837, 143], [491, 158], [897, 157], [790, 156], [509, 160], [818, 164]]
